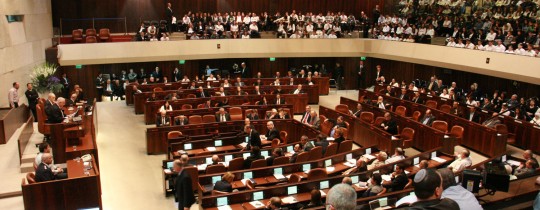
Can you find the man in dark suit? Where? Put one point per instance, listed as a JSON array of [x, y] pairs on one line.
[[222, 116], [314, 121], [156, 74], [358, 110], [433, 85], [322, 142], [201, 93], [169, 13], [403, 94], [183, 186], [181, 120], [338, 136], [417, 99], [258, 91], [272, 133], [389, 124], [176, 75], [55, 113], [378, 75], [163, 119], [298, 90], [72, 101], [279, 100], [306, 116], [44, 172], [361, 76], [399, 179], [258, 83], [32, 96], [277, 152], [239, 82], [255, 155], [65, 83], [99, 86], [428, 118], [254, 138], [245, 72], [109, 89], [472, 115], [456, 110]]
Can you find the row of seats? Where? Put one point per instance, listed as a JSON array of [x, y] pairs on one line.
[[91, 35]]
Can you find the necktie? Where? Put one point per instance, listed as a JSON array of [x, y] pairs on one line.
[[278, 101], [305, 117], [223, 118], [162, 121], [202, 94]]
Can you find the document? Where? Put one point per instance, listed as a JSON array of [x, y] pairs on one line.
[[243, 144], [288, 199], [279, 176], [211, 149], [226, 207], [330, 169], [438, 159]]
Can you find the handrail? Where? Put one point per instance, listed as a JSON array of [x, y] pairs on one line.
[[93, 19]]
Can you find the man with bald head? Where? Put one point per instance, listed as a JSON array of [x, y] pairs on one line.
[[183, 185], [428, 118], [44, 172], [55, 113], [272, 133], [222, 116]]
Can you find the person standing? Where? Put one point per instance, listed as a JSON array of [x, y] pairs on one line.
[[169, 13], [361, 76], [340, 78], [183, 186], [32, 96], [65, 83], [99, 86], [13, 96]]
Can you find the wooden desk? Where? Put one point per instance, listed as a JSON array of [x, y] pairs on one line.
[[11, 121]]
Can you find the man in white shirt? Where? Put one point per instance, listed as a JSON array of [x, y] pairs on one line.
[[489, 47], [253, 27], [451, 190], [462, 161], [399, 154], [332, 35], [13, 96], [296, 35], [500, 46]]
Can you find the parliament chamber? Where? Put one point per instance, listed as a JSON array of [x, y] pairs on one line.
[[289, 104]]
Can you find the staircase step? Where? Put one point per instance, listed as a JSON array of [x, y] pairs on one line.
[[28, 158], [27, 167]]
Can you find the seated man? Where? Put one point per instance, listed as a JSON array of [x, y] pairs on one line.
[[215, 160], [163, 119], [389, 124], [374, 186], [379, 161], [277, 152], [255, 155], [273, 132], [274, 203], [45, 173], [464, 198], [272, 115], [72, 100], [298, 90], [462, 161], [493, 121], [358, 110], [321, 141], [527, 155], [297, 150], [279, 100], [56, 113], [428, 189], [222, 116], [305, 144], [399, 179], [428, 118], [360, 166], [314, 120], [399, 154], [527, 171], [201, 93], [225, 185], [240, 92], [239, 82], [181, 120], [282, 114]]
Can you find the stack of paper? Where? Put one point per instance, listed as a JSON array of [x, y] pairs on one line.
[[370, 157], [263, 137], [201, 167], [513, 162], [361, 184], [243, 144], [167, 171], [279, 176], [256, 204], [288, 199], [226, 207], [330, 169], [386, 177], [211, 149], [349, 164], [438, 159]]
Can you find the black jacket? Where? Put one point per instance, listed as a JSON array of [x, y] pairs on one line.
[[392, 127], [159, 121], [44, 173], [184, 191], [54, 115], [32, 97], [223, 186], [254, 139], [272, 134]]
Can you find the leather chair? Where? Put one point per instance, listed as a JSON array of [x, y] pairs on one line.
[[440, 125], [186, 106], [91, 32], [378, 121], [76, 35], [236, 164], [342, 108], [367, 117], [214, 169], [217, 192], [315, 153], [191, 96], [208, 118], [502, 129], [200, 106], [294, 179], [345, 146], [174, 134], [281, 161], [407, 134], [445, 108], [322, 118], [258, 163], [416, 115], [331, 150], [326, 127], [195, 119], [283, 135], [431, 104], [275, 143], [43, 127], [302, 157], [104, 34], [194, 173], [158, 89], [236, 113], [457, 132], [90, 39], [317, 173], [30, 178], [401, 110]]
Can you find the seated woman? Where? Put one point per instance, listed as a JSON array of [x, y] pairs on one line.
[[374, 186], [166, 107], [225, 185]]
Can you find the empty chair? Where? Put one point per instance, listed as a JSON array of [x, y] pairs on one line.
[[401, 110], [445, 108], [367, 117], [214, 169], [283, 135], [378, 121], [457, 131], [258, 163], [91, 32], [331, 150], [407, 134], [186, 106], [191, 96], [431, 104], [315, 153], [322, 118], [30, 178], [416, 115], [275, 143], [281, 160], [157, 89], [302, 157], [236, 164], [345, 146], [502, 129], [440, 125], [326, 127], [195, 119], [345, 133], [174, 134], [343, 108], [76, 35], [104, 34], [42, 127], [194, 173], [90, 39], [208, 118], [236, 113], [317, 173], [294, 178], [200, 106]]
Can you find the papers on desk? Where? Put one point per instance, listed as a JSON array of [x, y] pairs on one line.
[[322, 193], [330, 169], [438, 159], [394, 138], [167, 171], [263, 137], [243, 144], [202, 167], [256, 204], [361, 184], [211, 149], [330, 139], [513, 177], [513, 163], [370, 157], [349, 164], [386, 177], [226, 164], [288, 200], [446, 136], [226, 207], [280, 176], [244, 181]]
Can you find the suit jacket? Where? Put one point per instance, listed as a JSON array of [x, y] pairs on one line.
[[357, 113], [392, 127], [315, 122], [418, 100], [227, 117], [241, 84], [44, 173], [32, 97], [272, 134], [199, 94], [223, 186], [55, 114], [487, 107], [339, 140], [159, 121], [70, 102], [475, 118], [324, 144], [177, 121], [177, 77], [253, 116], [434, 86], [254, 139], [429, 119], [456, 111], [245, 72], [300, 92], [281, 101], [184, 190], [399, 182], [304, 116]]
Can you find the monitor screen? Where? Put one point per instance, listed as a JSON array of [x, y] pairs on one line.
[[368, 151], [208, 160], [248, 175], [433, 154], [170, 164], [246, 155], [216, 179], [383, 202], [228, 158], [278, 170], [258, 196], [290, 149], [291, 190], [247, 139], [222, 201], [416, 160], [349, 156], [503, 158], [218, 143], [324, 185], [328, 162], [312, 142], [306, 167], [187, 146], [354, 179], [264, 153]]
